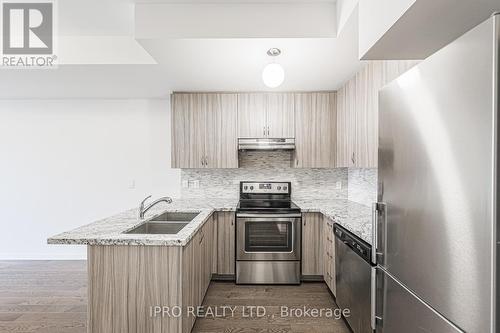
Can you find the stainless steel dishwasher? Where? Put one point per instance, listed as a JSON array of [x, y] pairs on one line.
[[353, 278]]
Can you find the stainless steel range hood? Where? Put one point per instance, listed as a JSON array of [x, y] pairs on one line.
[[266, 144]]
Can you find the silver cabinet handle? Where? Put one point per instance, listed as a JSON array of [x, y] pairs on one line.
[[206, 160], [264, 131], [201, 236], [267, 130], [353, 159], [202, 161]]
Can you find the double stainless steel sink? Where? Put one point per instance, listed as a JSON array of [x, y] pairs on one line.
[[168, 223]]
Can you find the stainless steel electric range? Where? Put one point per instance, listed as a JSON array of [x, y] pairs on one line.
[[268, 234]]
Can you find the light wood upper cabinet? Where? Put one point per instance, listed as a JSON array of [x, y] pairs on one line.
[[252, 117], [315, 130], [343, 149], [312, 244], [188, 130], [266, 115], [221, 146], [280, 115], [204, 130], [357, 113]]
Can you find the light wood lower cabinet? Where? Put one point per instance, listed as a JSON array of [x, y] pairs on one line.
[[329, 254], [312, 244], [197, 259], [127, 282], [225, 243]]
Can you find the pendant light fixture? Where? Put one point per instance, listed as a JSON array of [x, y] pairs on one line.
[[273, 74]]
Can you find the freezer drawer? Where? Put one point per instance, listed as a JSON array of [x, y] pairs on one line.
[[417, 317]]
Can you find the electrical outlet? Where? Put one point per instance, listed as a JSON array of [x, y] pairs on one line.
[[131, 185], [338, 185]]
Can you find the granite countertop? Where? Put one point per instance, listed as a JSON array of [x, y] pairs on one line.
[[355, 217], [110, 231]]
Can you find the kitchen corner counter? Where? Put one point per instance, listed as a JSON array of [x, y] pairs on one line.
[[351, 215], [110, 231]]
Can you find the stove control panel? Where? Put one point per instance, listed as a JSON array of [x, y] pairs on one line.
[[270, 188]]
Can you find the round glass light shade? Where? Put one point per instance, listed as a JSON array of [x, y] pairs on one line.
[[273, 75]]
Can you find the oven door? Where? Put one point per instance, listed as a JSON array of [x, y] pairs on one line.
[[268, 236]]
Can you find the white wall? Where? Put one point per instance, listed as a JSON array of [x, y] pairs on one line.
[[345, 8], [65, 163], [235, 20], [415, 29], [376, 17]]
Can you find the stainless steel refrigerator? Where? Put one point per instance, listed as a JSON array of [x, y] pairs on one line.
[[436, 217]]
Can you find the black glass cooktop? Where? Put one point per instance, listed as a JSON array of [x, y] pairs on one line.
[[267, 205]]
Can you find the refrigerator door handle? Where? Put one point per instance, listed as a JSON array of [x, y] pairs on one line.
[[373, 301], [375, 319], [374, 232], [378, 228]]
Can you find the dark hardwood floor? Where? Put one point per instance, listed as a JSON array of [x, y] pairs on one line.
[[43, 296], [51, 297], [272, 298]]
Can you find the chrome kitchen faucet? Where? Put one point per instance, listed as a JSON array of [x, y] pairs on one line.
[[143, 210]]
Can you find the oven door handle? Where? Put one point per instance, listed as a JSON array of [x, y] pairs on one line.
[[268, 215]]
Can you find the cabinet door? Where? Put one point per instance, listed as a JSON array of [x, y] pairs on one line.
[[191, 279], [221, 150], [374, 83], [315, 130], [206, 254], [225, 241], [312, 244], [326, 259], [351, 121], [329, 254], [280, 115], [361, 125], [252, 120], [188, 130], [344, 127]]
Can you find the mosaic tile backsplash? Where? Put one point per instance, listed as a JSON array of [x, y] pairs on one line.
[[358, 185], [265, 166]]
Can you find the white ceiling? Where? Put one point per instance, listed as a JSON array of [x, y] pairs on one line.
[[111, 64], [236, 64]]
